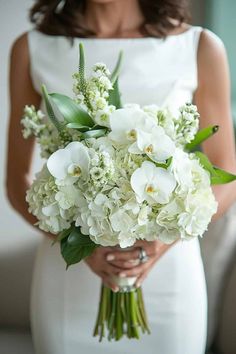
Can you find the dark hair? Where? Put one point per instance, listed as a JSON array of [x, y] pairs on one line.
[[65, 17]]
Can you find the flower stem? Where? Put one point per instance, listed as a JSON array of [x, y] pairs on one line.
[[121, 313]]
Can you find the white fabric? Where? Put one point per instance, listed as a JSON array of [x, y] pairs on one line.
[[64, 303]]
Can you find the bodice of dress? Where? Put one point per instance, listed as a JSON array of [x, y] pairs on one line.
[[154, 71]]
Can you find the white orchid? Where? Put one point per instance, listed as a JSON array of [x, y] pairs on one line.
[[155, 144], [153, 184], [125, 123], [68, 164]]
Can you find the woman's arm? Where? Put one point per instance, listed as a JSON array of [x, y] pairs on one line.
[[213, 101], [20, 150]]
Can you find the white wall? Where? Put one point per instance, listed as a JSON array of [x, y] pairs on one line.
[[13, 22]]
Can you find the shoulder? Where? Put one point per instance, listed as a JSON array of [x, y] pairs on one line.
[[19, 49], [20, 43], [211, 52], [211, 59]]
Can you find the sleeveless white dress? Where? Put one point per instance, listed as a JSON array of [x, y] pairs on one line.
[[64, 303]]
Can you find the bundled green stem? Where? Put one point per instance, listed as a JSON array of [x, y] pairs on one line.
[[121, 313]]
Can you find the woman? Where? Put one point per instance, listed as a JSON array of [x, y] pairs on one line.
[[166, 62]]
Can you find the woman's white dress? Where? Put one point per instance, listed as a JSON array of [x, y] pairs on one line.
[[64, 303]]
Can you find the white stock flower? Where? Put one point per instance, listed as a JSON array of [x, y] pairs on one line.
[[153, 184], [68, 164], [102, 115]]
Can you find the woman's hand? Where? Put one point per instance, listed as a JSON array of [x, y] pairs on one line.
[[99, 265], [129, 263]]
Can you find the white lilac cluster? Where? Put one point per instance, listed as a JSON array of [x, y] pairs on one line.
[[93, 95], [134, 183], [187, 124], [32, 121], [35, 124], [181, 128]]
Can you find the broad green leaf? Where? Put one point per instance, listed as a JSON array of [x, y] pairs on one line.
[[205, 162], [218, 176], [201, 136], [93, 133], [72, 112], [222, 176], [76, 238], [114, 95], [50, 111], [77, 126], [76, 247], [116, 70], [62, 235]]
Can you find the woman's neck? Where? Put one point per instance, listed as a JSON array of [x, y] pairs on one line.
[[121, 18]]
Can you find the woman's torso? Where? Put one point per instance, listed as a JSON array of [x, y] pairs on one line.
[[154, 70]]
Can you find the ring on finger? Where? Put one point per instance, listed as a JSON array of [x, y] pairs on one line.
[[143, 257]]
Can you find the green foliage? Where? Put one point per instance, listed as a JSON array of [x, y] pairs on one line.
[[75, 246], [72, 112], [201, 136], [93, 133], [114, 94], [116, 71], [218, 176], [222, 177], [50, 110]]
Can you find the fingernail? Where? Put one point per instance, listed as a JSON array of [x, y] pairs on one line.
[[115, 290], [110, 257], [137, 285], [122, 275]]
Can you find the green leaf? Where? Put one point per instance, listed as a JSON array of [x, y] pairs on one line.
[[50, 111], [62, 235], [114, 96], [76, 247], [163, 165], [222, 176], [77, 126], [218, 176], [72, 112], [93, 133], [82, 81], [116, 70], [205, 162], [201, 136]]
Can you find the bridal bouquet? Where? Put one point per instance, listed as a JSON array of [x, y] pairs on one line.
[[117, 174]]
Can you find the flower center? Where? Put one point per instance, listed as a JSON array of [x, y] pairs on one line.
[[132, 135], [150, 189], [74, 170], [149, 149]]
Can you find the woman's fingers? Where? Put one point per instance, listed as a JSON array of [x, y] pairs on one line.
[[135, 271], [126, 264], [122, 255]]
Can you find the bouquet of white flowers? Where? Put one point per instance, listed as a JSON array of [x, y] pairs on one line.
[[117, 174]]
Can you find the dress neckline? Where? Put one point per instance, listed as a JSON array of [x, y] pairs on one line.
[[124, 39]]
